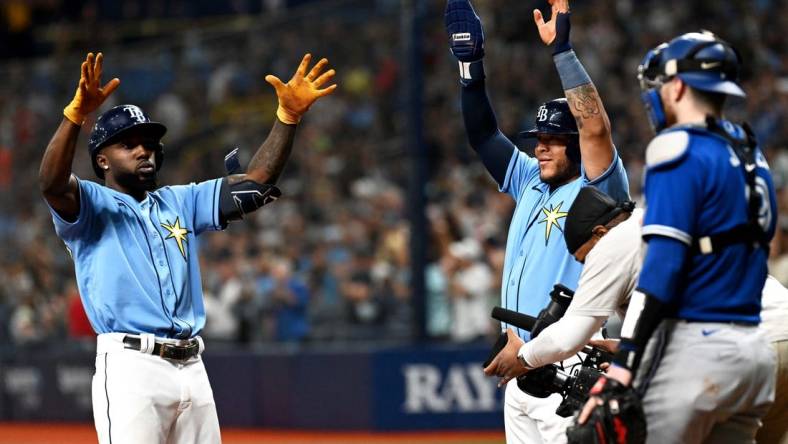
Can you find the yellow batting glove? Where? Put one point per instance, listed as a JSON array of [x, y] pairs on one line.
[[90, 94], [298, 94]]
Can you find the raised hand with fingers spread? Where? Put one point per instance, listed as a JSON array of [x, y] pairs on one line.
[[90, 94], [302, 90], [555, 31]]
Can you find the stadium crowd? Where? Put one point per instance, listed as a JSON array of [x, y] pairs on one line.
[[330, 260]]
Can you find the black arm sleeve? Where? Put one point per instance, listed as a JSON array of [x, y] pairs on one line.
[[486, 139]]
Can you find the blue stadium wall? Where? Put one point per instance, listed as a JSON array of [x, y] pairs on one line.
[[396, 388]]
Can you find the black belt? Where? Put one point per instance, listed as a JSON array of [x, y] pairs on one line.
[[167, 350]]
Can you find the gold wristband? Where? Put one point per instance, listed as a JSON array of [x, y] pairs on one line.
[[287, 117], [73, 115]]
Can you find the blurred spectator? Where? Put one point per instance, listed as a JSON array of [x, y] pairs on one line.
[[365, 310], [24, 323], [470, 291], [284, 299], [220, 320]]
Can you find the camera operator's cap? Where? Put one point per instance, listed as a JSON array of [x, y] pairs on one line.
[[590, 208]]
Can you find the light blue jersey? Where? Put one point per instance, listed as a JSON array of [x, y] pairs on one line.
[[536, 253], [136, 263]]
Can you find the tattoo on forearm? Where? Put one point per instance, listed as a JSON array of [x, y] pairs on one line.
[[585, 100], [274, 152]]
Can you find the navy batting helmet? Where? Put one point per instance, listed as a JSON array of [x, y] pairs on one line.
[[117, 121], [700, 59], [555, 118]]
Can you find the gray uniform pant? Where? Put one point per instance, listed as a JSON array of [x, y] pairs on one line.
[[706, 382]]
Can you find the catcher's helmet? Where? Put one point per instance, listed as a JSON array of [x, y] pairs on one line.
[[117, 121], [555, 118], [700, 59]]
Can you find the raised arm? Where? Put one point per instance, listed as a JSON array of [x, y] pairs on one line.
[[59, 187], [243, 193], [295, 97], [596, 143], [466, 41]]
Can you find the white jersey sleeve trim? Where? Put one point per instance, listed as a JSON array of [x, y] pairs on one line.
[[667, 231]]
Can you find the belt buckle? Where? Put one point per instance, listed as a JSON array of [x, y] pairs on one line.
[[178, 352], [163, 349]]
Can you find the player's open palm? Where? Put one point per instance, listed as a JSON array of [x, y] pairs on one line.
[[301, 91], [547, 29], [90, 94]]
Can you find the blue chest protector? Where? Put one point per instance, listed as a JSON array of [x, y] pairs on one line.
[[708, 187]]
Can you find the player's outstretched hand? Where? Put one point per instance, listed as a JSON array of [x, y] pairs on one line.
[[301, 91], [557, 29], [505, 365], [464, 27], [90, 94]]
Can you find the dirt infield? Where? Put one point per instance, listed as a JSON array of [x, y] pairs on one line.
[[29, 433]]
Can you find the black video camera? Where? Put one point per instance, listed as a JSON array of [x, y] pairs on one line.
[[544, 381]]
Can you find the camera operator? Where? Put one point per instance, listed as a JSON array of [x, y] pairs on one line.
[[605, 237]]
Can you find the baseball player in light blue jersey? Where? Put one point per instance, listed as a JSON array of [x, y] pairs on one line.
[[134, 247], [574, 149], [708, 374]]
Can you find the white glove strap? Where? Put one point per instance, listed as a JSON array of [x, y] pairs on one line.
[[471, 72]]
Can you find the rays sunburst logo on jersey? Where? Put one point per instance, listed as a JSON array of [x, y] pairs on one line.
[[178, 233], [551, 217]]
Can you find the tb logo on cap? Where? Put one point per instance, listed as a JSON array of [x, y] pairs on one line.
[[135, 112], [541, 115]]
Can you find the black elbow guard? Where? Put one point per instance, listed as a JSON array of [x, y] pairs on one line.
[[644, 314], [238, 199]]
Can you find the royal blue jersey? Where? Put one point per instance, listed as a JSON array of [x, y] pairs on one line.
[[536, 253], [694, 187], [136, 262]]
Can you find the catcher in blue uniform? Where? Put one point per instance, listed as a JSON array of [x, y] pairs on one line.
[[707, 374]]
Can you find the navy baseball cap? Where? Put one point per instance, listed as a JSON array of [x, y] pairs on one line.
[[553, 117]]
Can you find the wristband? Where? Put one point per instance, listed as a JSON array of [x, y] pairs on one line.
[[562, 26], [287, 117], [471, 72], [73, 115]]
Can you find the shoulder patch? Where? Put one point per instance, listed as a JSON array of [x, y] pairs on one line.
[[667, 148]]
